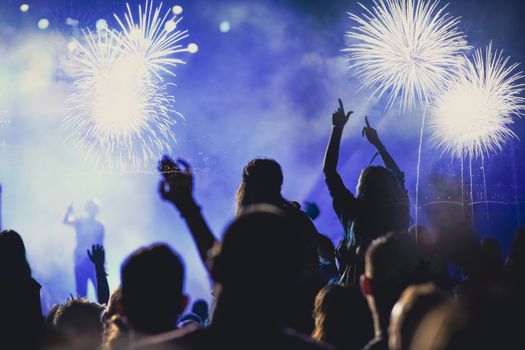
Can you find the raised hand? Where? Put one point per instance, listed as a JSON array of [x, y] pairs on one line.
[[339, 118], [97, 255], [371, 134], [177, 183]]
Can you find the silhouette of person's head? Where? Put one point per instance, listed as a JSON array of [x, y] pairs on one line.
[[378, 184], [415, 302], [152, 289], [342, 318], [13, 261], [261, 183], [92, 207], [484, 319], [391, 265], [258, 265], [78, 321]]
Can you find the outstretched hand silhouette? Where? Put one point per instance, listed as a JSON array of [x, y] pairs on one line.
[[339, 118], [371, 134], [97, 255], [177, 183]]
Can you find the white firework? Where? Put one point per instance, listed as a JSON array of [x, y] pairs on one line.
[[407, 49], [120, 114], [474, 115]]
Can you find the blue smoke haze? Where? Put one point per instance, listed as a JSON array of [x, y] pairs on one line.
[[267, 87]]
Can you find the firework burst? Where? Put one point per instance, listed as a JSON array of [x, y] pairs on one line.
[[120, 114], [405, 48], [473, 116]]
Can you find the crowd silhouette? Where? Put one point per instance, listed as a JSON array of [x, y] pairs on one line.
[[278, 283]]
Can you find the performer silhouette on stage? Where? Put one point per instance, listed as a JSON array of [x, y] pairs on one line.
[[89, 231]]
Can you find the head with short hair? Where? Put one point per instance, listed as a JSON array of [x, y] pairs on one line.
[[259, 265], [487, 317], [415, 302], [92, 207], [391, 264], [78, 321], [152, 288], [262, 179]]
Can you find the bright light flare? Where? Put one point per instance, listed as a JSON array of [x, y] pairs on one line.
[[474, 115], [407, 49]]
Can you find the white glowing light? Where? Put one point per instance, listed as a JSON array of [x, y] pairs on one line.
[[72, 46], [473, 116], [24, 7], [101, 24], [120, 113], [43, 24], [406, 48], [224, 27], [177, 10], [193, 48]]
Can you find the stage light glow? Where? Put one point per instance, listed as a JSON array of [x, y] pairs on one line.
[[43, 24], [405, 48], [120, 114], [24, 7], [224, 27], [473, 116]]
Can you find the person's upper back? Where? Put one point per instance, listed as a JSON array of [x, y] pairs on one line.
[[212, 338]]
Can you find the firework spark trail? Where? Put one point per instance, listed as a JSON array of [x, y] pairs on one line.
[[473, 116], [406, 48], [120, 114]]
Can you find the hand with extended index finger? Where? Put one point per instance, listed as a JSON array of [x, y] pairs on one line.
[[339, 118], [371, 134]]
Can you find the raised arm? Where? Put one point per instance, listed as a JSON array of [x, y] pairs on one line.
[[68, 218], [177, 187], [97, 255], [390, 164], [339, 119]]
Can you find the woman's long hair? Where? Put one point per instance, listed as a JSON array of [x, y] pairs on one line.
[[382, 193], [13, 262], [261, 182]]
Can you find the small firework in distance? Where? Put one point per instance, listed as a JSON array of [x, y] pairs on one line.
[[120, 114], [406, 49], [473, 116]]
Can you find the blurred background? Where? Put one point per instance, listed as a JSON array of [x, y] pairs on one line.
[[264, 83]]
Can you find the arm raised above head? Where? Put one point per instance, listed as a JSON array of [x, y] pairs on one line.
[[339, 119], [69, 219], [176, 187], [373, 137]]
